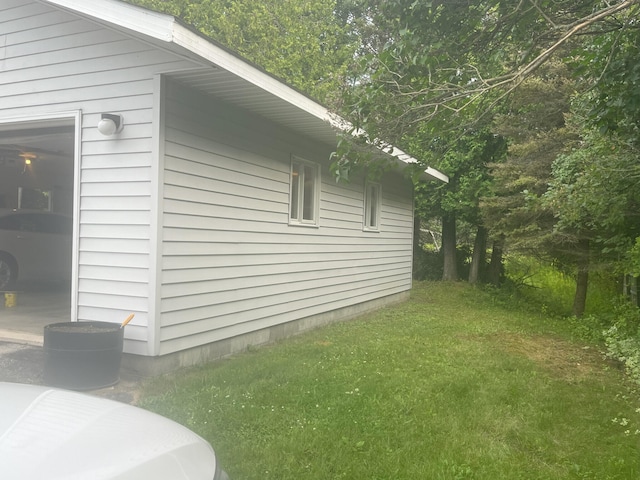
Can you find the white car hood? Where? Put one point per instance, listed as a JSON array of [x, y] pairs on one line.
[[57, 434]]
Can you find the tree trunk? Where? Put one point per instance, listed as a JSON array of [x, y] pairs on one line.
[[494, 272], [450, 269], [582, 279], [478, 259], [630, 288]]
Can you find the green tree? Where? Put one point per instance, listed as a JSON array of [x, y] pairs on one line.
[[304, 43], [614, 57], [466, 161], [595, 197], [533, 122], [433, 59], [440, 68]]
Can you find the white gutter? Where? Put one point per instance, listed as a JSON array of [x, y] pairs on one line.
[[345, 126], [167, 29], [406, 158]]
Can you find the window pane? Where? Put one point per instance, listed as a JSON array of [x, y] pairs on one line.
[[373, 222], [304, 192], [295, 190], [372, 206], [309, 197]]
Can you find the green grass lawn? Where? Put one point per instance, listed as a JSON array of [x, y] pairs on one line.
[[453, 384]]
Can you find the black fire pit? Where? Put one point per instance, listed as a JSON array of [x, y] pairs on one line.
[[82, 355]]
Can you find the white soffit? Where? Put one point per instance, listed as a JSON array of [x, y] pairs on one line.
[[221, 73]]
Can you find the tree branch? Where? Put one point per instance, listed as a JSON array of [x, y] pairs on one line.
[[433, 98]]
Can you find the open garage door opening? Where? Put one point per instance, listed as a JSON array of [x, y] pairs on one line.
[[36, 207]]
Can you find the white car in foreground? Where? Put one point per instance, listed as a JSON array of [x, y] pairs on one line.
[[58, 434]]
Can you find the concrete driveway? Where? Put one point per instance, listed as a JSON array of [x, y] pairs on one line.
[[21, 337], [21, 363], [34, 308], [21, 330]]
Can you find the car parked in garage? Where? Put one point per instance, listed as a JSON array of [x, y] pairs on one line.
[[58, 434], [34, 246]]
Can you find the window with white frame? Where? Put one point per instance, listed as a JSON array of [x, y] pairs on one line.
[[305, 192], [372, 204]]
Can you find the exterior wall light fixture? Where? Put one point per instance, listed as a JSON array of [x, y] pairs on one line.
[[110, 124]]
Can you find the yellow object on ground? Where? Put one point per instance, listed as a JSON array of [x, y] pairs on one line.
[[10, 299]]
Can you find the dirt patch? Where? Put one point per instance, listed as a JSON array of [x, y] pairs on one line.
[[126, 391], [83, 327], [563, 359]]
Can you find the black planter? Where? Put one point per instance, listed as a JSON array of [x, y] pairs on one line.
[[82, 355]]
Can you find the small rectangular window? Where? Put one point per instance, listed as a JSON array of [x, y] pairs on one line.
[[305, 191], [372, 202]]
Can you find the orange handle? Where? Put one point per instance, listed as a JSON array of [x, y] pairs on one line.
[[127, 320]]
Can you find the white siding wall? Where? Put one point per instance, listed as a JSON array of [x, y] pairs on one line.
[[231, 264], [50, 62]]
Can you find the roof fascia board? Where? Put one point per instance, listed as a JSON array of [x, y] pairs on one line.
[[226, 60], [147, 22], [395, 152], [408, 159]]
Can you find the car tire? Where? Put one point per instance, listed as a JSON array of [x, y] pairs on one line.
[[8, 272]]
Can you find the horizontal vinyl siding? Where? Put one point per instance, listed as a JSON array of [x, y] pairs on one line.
[[231, 263], [52, 61]]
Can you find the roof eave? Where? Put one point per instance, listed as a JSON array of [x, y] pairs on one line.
[[167, 28]]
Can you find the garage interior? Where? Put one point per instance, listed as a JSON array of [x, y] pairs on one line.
[[36, 173]]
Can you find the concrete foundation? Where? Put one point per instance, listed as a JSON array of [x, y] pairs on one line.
[[141, 366]]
